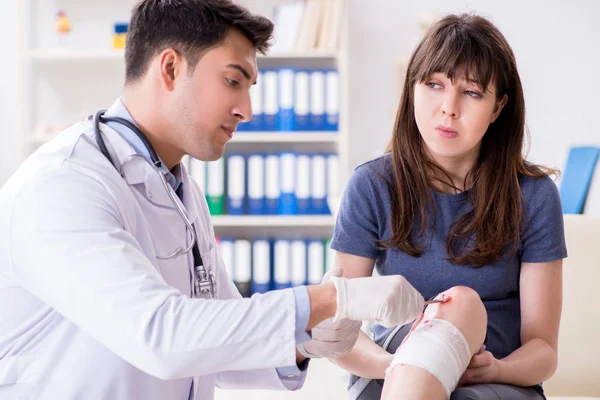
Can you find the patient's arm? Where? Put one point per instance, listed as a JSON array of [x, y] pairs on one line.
[[466, 312]]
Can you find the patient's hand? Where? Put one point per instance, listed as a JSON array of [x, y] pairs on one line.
[[483, 368]]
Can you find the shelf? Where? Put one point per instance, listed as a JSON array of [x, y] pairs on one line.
[[302, 55], [285, 137], [76, 55], [96, 55], [248, 137], [273, 221]]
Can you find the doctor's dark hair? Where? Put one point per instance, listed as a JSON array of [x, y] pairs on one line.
[[188, 26], [492, 227]]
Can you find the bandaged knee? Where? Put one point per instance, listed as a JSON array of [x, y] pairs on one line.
[[439, 348]]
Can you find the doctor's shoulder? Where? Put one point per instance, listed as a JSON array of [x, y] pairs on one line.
[[62, 173]]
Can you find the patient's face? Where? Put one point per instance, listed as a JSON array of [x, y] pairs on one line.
[[453, 116]]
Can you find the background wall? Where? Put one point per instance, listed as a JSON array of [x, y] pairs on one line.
[[9, 156], [556, 45]]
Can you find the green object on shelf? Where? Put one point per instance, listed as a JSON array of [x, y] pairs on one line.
[[215, 186], [216, 204]]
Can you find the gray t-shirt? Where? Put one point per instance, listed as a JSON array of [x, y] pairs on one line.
[[364, 216]]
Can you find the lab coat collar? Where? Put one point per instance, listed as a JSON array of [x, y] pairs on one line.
[[137, 170], [189, 201], [118, 109]]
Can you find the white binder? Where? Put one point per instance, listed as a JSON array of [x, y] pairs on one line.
[[316, 262], [198, 172], [282, 264], [226, 250], [243, 266], [318, 188], [301, 101], [298, 263], [317, 100], [272, 189], [256, 184], [303, 184], [271, 105]]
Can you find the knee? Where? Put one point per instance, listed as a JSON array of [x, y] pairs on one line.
[[463, 298], [466, 311], [465, 295]]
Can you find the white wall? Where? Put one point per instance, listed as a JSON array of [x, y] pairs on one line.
[[556, 44], [9, 148]]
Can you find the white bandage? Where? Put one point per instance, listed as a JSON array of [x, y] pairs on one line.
[[439, 348]]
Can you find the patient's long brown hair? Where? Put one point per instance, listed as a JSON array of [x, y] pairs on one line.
[[493, 226]]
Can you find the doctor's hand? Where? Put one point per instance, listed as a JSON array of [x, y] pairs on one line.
[[390, 300], [331, 339]]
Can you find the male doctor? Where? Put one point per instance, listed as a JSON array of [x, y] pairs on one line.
[[100, 294]]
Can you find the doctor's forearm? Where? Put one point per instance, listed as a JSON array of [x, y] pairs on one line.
[[532, 363], [323, 303]]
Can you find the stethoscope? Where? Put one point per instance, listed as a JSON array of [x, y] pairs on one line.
[[204, 281]]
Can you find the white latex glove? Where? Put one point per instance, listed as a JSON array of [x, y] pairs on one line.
[[331, 339], [390, 300]]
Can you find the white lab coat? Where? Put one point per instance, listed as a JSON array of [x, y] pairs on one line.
[[88, 311]]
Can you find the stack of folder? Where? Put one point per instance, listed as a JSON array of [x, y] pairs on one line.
[[307, 25], [284, 183], [261, 265], [289, 100]]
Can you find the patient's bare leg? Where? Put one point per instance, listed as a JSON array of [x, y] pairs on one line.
[[465, 312]]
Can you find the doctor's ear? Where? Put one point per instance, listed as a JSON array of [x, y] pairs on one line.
[[171, 65]]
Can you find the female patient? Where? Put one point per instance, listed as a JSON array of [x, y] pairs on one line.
[[454, 207]]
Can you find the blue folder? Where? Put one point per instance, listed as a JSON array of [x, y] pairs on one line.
[[577, 177]]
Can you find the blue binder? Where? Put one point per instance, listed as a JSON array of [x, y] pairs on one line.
[[236, 184], [261, 266], [256, 184], [332, 100], [287, 183], [285, 113], [272, 187], [302, 100], [303, 184], [270, 103], [318, 195], [317, 100], [577, 177], [257, 102]]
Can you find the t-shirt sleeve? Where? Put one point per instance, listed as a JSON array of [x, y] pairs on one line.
[[356, 229], [544, 233]]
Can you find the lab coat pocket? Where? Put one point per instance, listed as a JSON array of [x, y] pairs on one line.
[[18, 375]]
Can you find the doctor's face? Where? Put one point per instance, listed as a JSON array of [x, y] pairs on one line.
[[215, 98]]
